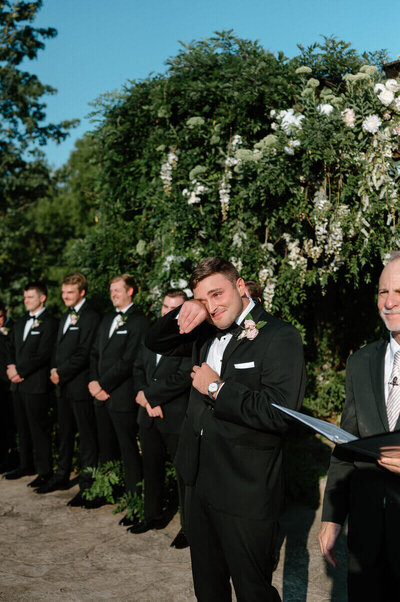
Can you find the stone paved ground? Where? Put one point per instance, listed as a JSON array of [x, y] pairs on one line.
[[50, 552]]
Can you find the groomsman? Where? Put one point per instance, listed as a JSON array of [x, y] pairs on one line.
[[7, 423], [70, 374], [164, 384], [111, 383], [30, 345]]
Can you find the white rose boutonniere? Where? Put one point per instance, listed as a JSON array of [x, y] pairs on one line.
[[74, 318], [121, 321], [250, 330], [4, 330], [36, 323]]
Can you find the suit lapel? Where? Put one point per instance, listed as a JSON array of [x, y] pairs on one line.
[[61, 333], [41, 317], [234, 343], [377, 371]]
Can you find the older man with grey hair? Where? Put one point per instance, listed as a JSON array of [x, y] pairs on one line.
[[360, 488]]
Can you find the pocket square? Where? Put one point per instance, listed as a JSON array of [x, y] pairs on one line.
[[35, 332], [122, 332], [74, 328], [245, 365]]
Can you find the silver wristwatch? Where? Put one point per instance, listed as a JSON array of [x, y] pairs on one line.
[[213, 388]]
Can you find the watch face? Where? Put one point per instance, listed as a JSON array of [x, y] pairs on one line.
[[212, 387]]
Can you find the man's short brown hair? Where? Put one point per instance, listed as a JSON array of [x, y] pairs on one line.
[[38, 285], [176, 292], [78, 279], [254, 289], [127, 278], [213, 265]]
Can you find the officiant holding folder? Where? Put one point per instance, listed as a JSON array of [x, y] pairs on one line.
[[360, 488]]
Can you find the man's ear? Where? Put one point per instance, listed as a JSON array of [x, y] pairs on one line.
[[240, 285]]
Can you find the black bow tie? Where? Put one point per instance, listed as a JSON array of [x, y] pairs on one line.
[[119, 313], [71, 310], [233, 329]]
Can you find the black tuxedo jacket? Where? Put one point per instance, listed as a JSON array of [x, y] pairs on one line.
[[71, 355], [112, 358], [166, 384], [356, 485], [32, 356], [4, 342], [231, 448]]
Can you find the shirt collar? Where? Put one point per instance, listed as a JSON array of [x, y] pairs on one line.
[[394, 346], [123, 311], [37, 314], [79, 305], [246, 311]]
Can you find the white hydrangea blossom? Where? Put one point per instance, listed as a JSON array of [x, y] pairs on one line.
[[236, 141], [290, 122], [181, 283], [224, 193], [166, 171], [169, 259], [237, 262]]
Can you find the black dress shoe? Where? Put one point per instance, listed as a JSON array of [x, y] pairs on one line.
[[40, 480], [18, 473], [146, 525], [128, 522], [52, 484], [180, 542], [77, 501]]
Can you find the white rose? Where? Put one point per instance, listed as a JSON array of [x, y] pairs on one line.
[[386, 97], [325, 109], [349, 117], [392, 85], [379, 88], [371, 124]]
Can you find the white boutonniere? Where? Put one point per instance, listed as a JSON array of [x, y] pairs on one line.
[[250, 329], [36, 323], [74, 317], [120, 321], [4, 330]]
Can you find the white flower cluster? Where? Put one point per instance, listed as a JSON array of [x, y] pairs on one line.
[[224, 193], [166, 171], [349, 117], [239, 236], [295, 257], [267, 278], [171, 258], [325, 109], [182, 284], [236, 141], [371, 124], [290, 122], [237, 262], [194, 195]]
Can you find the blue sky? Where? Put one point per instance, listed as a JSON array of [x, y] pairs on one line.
[[101, 44]]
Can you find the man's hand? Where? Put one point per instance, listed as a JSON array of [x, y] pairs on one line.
[[202, 377], [192, 313], [141, 399], [13, 375], [102, 395], [327, 537], [55, 379], [94, 388], [155, 412], [390, 459]]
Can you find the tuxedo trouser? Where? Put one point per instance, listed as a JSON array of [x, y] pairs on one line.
[[34, 431], [156, 446], [224, 546], [7, 423], [73, 415], [121, 427]]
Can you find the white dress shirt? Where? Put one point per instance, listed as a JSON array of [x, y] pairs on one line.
[[29, 323], [116, 319], [389, 359], [218, 346], [68, 320]]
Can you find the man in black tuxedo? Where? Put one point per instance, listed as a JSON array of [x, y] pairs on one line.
[[30, 345], [366, 491], [7, 422], [70, 374], [164, 385], [230, 449], [117, 344]]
